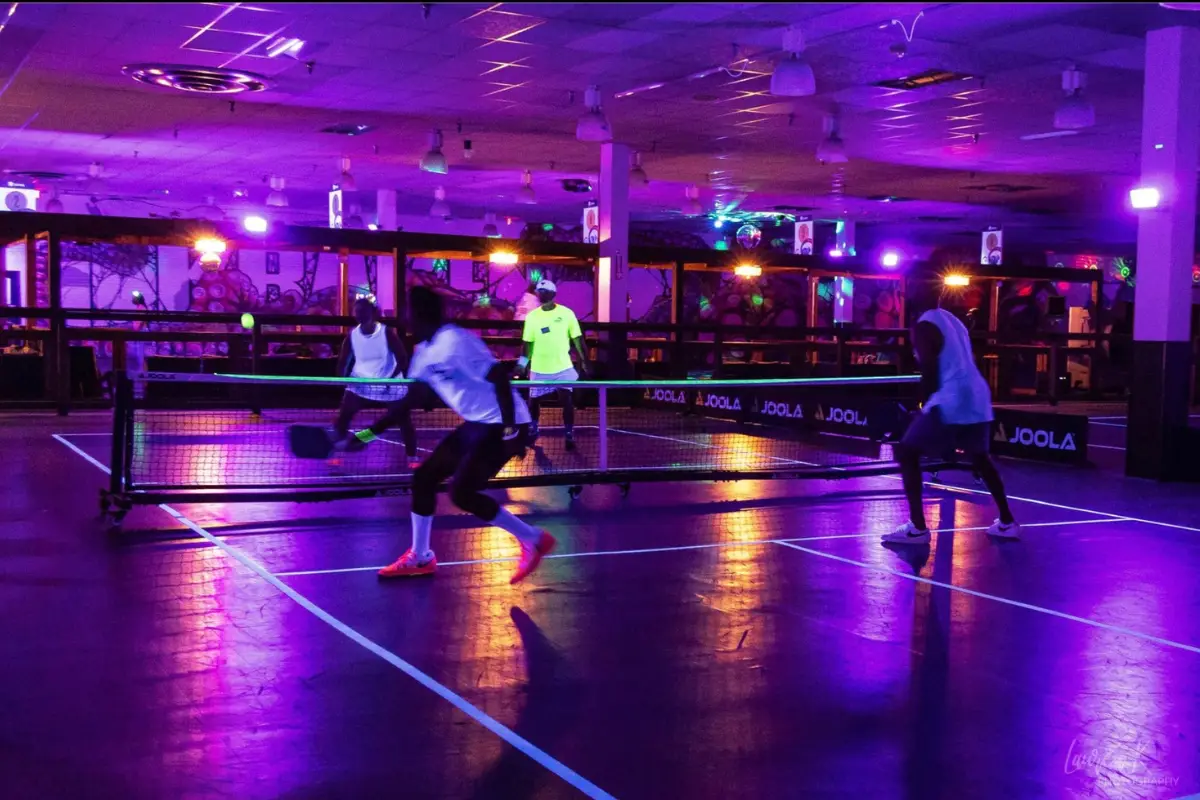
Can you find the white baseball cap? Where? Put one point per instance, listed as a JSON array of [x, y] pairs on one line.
[[546, 285]]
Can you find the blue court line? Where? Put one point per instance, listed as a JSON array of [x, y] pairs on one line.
[[985, 596], [509, 736]]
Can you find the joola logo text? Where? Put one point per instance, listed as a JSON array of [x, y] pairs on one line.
[[1029, 437], [665, 396], [720, 401], [773, 409], [842, 416]]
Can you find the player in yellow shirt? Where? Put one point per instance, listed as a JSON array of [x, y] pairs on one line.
[[551, 331]]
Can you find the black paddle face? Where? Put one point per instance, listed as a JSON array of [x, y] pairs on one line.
[[310, 441]]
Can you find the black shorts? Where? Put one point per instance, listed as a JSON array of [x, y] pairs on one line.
[[476, 452], [930, 436]]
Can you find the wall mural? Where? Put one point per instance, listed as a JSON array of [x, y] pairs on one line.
[[776, 300]]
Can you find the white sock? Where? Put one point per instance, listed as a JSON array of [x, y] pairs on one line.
[[421, 527], [523, 531]]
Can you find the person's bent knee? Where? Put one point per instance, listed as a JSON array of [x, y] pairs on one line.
[[906, 453], [471, 500]]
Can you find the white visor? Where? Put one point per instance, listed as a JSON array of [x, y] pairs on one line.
[[546, 285]]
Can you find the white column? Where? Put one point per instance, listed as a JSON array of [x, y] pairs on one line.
[[1170, 145], [385, 209], [612, 271], [1161, 375]]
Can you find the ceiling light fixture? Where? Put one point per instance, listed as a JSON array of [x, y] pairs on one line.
[[1075, 113], [489, 226], [210, 210], [526, 197], [434, 161], [832, 150], [95, 182], [276, 198], [637, 175], [593, 126], [255, 224], [440, 208], [346, 180], [793, 77], [1144, 197]]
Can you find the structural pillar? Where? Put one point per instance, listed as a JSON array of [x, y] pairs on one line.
[[385, 209], [612, 270], [1162, 357]]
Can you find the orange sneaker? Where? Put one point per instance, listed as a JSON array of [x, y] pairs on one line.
[[531, 556], [407, 566]]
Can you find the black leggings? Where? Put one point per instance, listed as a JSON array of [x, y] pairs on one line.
[[566, 397], [395, 415], [468, 458]]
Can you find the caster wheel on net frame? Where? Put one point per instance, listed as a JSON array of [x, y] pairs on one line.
[[575, 491]]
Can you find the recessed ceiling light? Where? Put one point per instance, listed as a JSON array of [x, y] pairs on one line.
[[1033, 137], [347, 129]]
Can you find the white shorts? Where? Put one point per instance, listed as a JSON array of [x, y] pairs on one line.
[[542, 391], [379, 392]]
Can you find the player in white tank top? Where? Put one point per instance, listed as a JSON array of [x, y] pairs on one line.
[[955, 417], [373, 350]]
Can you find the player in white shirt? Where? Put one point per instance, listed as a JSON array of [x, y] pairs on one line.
[[373, 350], [456, 365], [956, 415]]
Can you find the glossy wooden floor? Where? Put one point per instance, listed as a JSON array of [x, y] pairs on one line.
[[691, 641]]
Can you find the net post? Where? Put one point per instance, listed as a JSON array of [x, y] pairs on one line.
[[255, 366], [603, 427], [121, 395]]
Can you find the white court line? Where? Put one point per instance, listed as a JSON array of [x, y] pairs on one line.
[[548, 761], [1106, 447], [681, 548], [1106, 424], [106, 433], [1060, 506], [1006, 601], [710, 446]]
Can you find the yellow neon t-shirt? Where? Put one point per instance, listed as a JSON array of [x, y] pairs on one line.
[[551, 333]]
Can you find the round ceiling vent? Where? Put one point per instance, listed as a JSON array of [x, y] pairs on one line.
[[38, 175], [197, 80]]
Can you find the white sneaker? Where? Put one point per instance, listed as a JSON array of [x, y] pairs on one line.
[[907, 534], [1010, 531]]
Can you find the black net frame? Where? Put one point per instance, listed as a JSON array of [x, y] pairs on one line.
[[223, 438]]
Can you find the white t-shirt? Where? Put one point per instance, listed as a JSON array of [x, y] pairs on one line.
[[962, 395], [455, 364]]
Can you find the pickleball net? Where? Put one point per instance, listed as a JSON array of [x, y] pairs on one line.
[[224, 438]]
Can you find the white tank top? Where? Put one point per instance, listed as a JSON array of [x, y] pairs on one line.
[[372, 356], [962, 395]]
